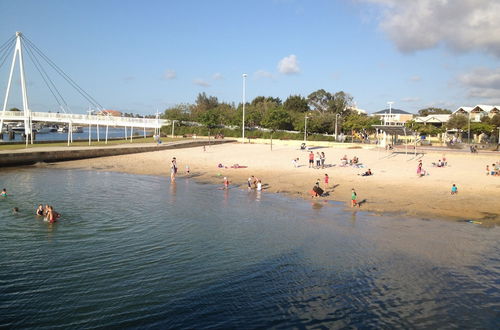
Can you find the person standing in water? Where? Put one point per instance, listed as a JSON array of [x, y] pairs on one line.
[[39, 210], [173, 169], [354, 198], [226, 183], [3, 193]]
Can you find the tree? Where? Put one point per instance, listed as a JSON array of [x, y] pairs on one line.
[[324, 101], [179, 112], [14, 109], [211, 119], [276, 119], [433, 111], [457, 121], [296, 103], [495, 120], [479, 128]]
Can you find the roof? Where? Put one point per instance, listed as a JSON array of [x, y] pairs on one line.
[[479, 108], [111, 113], [395, 129], [393, 111], [441, 118]]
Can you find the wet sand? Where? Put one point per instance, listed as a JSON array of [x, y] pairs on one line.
[[394, 187]]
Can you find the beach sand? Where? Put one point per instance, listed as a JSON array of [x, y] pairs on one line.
[[394, 187]]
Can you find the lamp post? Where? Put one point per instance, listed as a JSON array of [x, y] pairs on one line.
[[244, 90], [305, 128], [337, 115], [173, 128], [390, 109], [468, 130]]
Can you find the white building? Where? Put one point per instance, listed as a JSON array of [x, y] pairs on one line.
[[479, 111]]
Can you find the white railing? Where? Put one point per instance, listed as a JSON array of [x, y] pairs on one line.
[[85, 119]]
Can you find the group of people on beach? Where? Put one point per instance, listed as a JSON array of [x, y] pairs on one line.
[[494, 170], [319, 158]]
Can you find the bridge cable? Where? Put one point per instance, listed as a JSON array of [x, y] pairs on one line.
[[70, 81], [7, 50], [48, 82]]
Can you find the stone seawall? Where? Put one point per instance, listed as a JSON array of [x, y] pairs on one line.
[[32, 157]]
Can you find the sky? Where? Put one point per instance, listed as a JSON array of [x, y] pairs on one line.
[[143, 56]]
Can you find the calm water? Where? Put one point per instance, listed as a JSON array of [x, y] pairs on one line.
[[113, 132], [136, 251]]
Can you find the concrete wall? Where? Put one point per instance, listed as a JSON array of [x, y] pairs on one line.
[[32, 157]]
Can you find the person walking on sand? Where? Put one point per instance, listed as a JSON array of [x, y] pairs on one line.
[[311, 159], [354, 198], [327, 178], [454, 189], [322, 158]]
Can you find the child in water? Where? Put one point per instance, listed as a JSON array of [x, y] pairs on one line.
[[39, 210], [354, 198], [226, 183], [3, 193]]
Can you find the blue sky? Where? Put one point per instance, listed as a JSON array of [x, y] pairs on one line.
[[139, 56]]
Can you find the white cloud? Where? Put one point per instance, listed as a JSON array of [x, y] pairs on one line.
[[259, 74], [461, 25], [482, 83], [289, 65], [201, 82], [217, 76], [170, 74]]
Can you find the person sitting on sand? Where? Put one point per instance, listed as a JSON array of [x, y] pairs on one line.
[[295, 162], [343, 161], [420, 171], [39, 210], [354, 160], [367, 173], [3, 193], [317, 189]]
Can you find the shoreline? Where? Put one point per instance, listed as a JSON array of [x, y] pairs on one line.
[[393, 189]]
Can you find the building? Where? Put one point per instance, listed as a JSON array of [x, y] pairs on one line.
[[357, 110], [478, 112], [114, 113], [436, 120], [393, 116]]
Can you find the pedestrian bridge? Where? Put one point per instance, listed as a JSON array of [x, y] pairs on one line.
[[83, 120]]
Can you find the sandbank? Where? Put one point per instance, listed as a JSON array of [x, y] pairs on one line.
[[394, 187]]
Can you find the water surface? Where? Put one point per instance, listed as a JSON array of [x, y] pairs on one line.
[[137, 251]]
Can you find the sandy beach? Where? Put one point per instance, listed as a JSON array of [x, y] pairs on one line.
[[394, 187]]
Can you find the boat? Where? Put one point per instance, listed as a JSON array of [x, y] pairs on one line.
[[77, 129], [62, 129], [19, 128]]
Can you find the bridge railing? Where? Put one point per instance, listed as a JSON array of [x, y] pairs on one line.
[[85, 119]]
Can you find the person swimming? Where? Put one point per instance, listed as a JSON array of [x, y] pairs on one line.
[[3, 193], [39, 210]]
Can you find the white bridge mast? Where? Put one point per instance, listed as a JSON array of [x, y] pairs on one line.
[[27, 112]]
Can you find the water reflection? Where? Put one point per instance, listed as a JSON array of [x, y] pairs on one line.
[[196, 261]]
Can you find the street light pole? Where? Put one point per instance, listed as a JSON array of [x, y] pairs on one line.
[[305, 128], [468, 130], [390, 108], [336, 117], [244, 90]]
